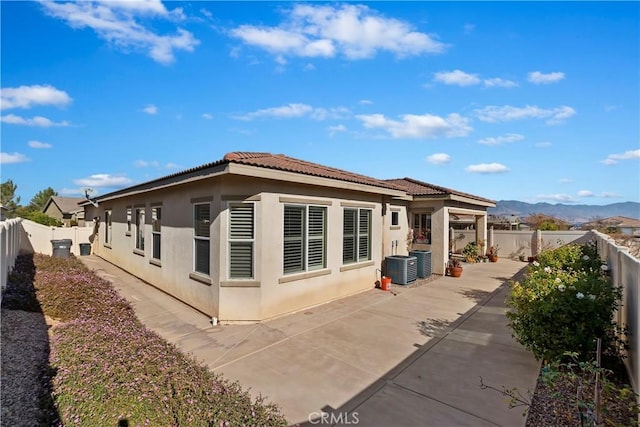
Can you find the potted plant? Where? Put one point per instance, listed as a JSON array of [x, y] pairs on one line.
[[493, 253], [471, 252], [454, 268]]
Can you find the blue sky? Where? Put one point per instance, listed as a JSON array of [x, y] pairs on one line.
[[509, 101]]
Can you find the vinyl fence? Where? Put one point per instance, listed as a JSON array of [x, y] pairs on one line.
[[10, 234]]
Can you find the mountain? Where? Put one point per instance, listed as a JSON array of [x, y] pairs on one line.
[[575, 214]]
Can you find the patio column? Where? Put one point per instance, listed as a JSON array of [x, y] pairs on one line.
[[439, 240], [481, 231]]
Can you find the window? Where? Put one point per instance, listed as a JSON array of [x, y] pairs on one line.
[[422, 228], [241, 238], [356, 235], [202, 233], [128, 233], [395, 218], [156, 218], [107, 229], [140, 229], [305, 236]]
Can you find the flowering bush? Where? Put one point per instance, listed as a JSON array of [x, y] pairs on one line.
[[563, 303], [111, 370]]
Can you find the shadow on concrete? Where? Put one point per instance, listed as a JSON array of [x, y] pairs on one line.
[[26, 374]]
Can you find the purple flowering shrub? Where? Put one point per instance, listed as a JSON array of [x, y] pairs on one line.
[[111, 369]]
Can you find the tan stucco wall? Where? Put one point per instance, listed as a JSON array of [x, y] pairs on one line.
[[270, 293]]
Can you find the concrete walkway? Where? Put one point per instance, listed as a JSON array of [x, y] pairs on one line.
[[406, 357]]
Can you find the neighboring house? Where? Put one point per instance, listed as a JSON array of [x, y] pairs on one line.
[[620, 224], [258, 235], [66, 210], [3, 213]]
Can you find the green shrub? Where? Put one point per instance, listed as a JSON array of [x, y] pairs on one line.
[[563, 304]]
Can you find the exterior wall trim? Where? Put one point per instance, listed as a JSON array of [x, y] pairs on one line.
[[356, 266], [303, 276]]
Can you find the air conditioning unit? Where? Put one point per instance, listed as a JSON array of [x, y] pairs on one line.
[[401, 268], [424, 262]]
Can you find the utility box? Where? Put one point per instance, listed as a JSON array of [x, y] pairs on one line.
[[61, 248], [401, 268], [424, 262], [85, 248]]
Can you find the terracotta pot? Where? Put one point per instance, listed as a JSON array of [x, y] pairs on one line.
[[454, 271], [493, 258]]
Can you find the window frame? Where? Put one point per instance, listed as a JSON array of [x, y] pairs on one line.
[[306, 240], [357, 235], [417, 226], [108, 227], [156, 234], [240, 241], [141, 219], [201, 238]]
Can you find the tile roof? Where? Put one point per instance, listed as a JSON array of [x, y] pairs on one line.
[[289, 164], [418, 188]]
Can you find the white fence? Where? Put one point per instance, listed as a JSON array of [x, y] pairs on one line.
[[625, 272], [513, 244], [10, 233], [37, 237]]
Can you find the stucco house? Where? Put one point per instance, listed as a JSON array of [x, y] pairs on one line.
[[66, 210], [257, 235]]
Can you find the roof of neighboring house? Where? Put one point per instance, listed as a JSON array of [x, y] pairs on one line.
[[66, 205], [418, 188], [618, 221]]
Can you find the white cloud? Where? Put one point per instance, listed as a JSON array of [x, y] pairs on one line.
[[353, 31], [207, 116], [487, 168], [286, 111], [28, 96], [7, 158], [510, 137], [37, 121], [543, 144], [498, 82], [456, 77], [38, 144], [564, 198], [536, 77], [146, 164], [439, 158], [309, 67], [150, 109], [613, 159], [419, 126], [103, 180], [495, 114], [365, 102], [296, 110], [586, 193], [118, 23], [335, 129]]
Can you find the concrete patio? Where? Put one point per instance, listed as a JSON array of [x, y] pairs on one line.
[[409, 356]]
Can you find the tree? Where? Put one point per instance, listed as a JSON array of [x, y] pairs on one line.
[[8, 197], [546, 222], [41, 198]]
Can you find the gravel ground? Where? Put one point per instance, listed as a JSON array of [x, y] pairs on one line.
[[25, 359]]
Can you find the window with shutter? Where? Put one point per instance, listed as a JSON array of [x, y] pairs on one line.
[[305, 237], [241, 240], [202, 233], [356, 235]]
